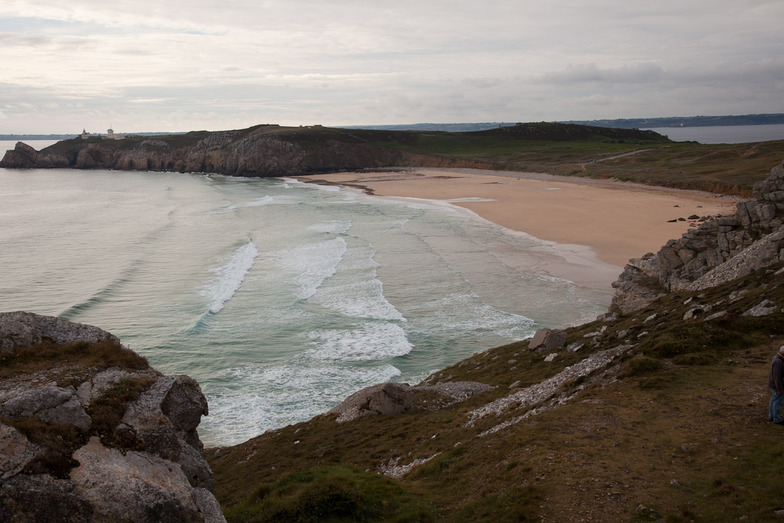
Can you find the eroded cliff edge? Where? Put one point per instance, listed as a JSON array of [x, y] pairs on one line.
[[90, 432], [714, 253], [264, 150]]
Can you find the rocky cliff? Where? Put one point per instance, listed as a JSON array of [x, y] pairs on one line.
[[717, 251], [89, 432], [266, 150]]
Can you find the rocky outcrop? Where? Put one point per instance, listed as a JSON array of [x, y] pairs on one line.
[[266, 150], [24, 329], [547, 340], [383, 399], [717, 251], [89, 432]]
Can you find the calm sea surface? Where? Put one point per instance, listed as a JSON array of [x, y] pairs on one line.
[[724, 134], [280, 297]]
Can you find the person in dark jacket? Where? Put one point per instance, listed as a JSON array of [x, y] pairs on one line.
[[776, 384]]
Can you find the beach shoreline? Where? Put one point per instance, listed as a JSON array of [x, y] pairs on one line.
[[596, 226]]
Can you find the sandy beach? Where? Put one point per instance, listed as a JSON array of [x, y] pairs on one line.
[[616, 221]]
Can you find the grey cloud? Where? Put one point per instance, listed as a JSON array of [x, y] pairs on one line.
[[591, 73]]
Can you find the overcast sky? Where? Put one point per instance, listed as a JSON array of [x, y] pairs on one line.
[[178, 65]]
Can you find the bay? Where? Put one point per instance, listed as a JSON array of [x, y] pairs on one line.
[[280, 297]]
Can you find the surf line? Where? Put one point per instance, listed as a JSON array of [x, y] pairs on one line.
[[230, 276]]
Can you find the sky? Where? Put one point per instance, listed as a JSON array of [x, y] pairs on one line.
[[180, 65]]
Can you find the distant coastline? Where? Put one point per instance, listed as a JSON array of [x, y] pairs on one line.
[[618, 123]]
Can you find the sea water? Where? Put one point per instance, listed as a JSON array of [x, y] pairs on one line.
[[723, 133], [280, 297]]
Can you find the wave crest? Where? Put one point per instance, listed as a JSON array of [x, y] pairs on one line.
[[230, 276]]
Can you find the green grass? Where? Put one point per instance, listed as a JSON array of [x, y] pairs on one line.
[[561, 149], [331, 494]]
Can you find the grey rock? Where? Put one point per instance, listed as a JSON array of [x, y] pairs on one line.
[[151, 468], [23, 329], [547, 340], [46, 402], [715, 316], [717, 251], [15, 451], [383, 399], [40, 497], [762, 309], [134, 486], [165, 418]]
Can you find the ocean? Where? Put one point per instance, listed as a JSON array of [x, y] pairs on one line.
[[724, 133], [280, 297]]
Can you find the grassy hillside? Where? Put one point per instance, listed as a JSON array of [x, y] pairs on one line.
[[675, 429], [565, 149]]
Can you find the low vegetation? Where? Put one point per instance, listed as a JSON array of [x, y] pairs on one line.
[[563, 149], [70, 365], [79, 354]]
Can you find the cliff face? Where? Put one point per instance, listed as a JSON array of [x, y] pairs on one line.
[[260, 151], [89, 432], [716, 252]]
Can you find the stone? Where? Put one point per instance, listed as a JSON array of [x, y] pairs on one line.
[[15, 451], [551, 357], [147, 467], [23, 329], [762, 309], [165, 418], [48, 403], [383, 399], [695, 312], [716, 316], [134, 486], [547, 340]]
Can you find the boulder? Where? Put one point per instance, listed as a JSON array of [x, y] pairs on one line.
[[547, 340], [134, 486], [99, 443], [23, 329], [383, 399]]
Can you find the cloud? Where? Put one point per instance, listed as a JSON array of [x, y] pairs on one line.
[[591, 73], [348, 62]]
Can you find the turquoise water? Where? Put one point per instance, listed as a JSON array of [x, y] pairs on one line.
[[280, 297]]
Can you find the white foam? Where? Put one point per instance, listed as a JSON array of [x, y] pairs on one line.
[[260, 398], [360, 299], [260, 202], [466, 313], [230, 276], [224, 210], [333, 226], [354, 290], [313, 263], [371, 340]]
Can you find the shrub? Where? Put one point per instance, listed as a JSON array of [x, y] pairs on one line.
[[330, 494], [640, 366]]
